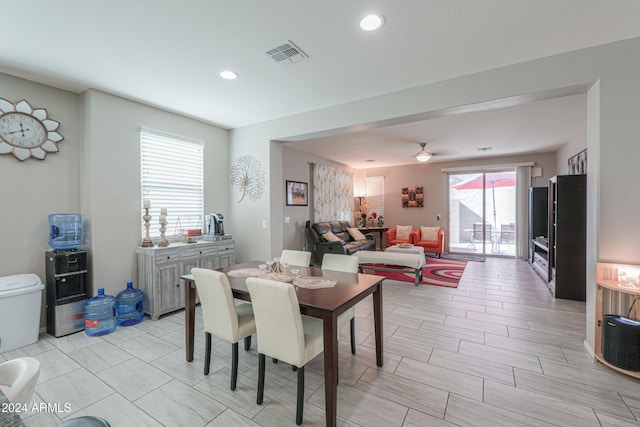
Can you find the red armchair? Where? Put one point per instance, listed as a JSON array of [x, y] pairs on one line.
[[391, 238], [435, 247]]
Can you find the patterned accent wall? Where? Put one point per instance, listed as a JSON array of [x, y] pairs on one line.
[[332, 194]]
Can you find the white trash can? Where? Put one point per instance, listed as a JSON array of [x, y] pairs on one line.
[[20, 303]]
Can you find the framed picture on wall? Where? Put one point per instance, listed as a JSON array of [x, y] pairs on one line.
[[578, 163], [297, 193], [412, 197]]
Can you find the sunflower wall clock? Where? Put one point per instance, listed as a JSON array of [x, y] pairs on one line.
[[26, 131]]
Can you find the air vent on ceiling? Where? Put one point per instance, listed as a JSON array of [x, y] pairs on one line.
[[286, 53]]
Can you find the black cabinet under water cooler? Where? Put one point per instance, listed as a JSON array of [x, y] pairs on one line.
[[66, 288]]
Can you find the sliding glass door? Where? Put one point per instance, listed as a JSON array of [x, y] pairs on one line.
[[482, 213]]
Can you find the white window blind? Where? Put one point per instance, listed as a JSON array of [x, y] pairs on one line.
[[375, 195], [171, 171]]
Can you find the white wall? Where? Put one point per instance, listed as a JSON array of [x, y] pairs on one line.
[[296, 167], [111, 190], [95, 173], [32, 189], [613, 217]]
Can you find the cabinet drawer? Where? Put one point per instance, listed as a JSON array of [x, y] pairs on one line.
[[199, 252], [165, 257], [225, 247]]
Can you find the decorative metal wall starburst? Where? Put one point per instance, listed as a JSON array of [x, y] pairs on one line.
[[248, 177]]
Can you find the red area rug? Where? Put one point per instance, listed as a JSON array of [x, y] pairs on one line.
[[437, 271]]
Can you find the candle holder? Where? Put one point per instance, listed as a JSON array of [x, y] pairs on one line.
[[146, 242], [163, 227]]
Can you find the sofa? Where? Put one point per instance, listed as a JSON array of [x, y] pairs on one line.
[[345, 246], [434, 247]]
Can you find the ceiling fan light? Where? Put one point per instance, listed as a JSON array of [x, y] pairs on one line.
[[423, 155]]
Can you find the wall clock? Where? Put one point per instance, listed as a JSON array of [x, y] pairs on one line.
[[26, 131]]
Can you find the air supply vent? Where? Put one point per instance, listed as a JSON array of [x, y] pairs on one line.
[[286, 53]]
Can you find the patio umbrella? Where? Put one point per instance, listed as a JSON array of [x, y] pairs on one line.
[[494, 179]]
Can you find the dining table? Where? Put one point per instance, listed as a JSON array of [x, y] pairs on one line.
[[326, 303]]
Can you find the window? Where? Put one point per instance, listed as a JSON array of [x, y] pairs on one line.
[[375, 195], [171, 171]]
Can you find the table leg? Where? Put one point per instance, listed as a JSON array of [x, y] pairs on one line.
[[330, 325], [189, 317], [377, 320]]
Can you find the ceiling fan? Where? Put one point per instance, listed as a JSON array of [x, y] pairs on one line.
[[423, 155]]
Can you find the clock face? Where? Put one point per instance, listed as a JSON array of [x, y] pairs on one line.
[[26, 131], [22, 130]]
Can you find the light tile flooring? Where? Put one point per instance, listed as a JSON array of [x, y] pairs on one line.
[[496, 351]]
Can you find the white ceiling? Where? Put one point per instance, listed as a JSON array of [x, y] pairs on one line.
[[168, 53]]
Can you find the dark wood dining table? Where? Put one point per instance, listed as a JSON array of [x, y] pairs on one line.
[[324, 303]]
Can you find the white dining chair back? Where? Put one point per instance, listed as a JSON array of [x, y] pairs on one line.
[[297, 258], [222, 317], [348, 264], [281, 329], [218, 306], [18, 378], [283, 333], [337, 262]]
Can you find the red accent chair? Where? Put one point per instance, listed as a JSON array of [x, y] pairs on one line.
[[391, 238], [429, 247]]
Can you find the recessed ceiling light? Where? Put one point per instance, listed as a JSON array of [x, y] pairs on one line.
[[371, 22], [228, 75]]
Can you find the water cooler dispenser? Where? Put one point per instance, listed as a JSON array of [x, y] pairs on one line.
[[66, 272]]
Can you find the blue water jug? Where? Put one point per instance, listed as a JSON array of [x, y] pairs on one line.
[[65, 231], [130, 306], [100, 314]]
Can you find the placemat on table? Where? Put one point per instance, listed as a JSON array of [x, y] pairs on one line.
[[245, 272], [315, 282]]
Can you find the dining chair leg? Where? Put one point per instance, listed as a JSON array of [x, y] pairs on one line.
[[260, 378], [234, 365], [300, 395], [247, 343], [207, 352], [353, 335]]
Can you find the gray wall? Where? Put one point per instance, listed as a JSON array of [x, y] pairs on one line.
[[296, 167]]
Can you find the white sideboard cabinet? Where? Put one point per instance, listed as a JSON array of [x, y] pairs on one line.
[[159, 271]]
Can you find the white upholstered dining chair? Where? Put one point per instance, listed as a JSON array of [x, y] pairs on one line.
[[297, 258], [348, 264], [283, 333], [222, 317], [18, 378]]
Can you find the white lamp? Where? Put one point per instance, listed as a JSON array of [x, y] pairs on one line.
[[423, 155]]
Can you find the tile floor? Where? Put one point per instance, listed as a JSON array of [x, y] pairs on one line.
[[496, 351]]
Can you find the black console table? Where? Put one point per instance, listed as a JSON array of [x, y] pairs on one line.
[[380, 230]]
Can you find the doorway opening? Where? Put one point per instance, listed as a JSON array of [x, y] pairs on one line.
[[482, 213]]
